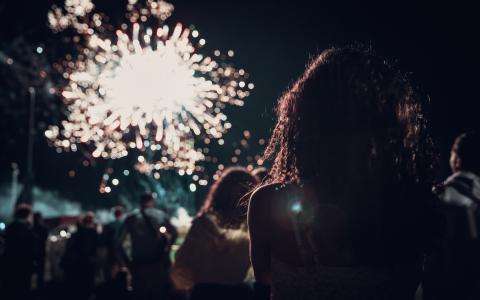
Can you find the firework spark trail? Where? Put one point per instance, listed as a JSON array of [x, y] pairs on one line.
[[142, 86]]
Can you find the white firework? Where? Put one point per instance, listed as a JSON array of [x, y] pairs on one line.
[[143, 87]]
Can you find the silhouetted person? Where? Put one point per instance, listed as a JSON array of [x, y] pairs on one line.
[[80, 259], [454, 272], [111, 232], [18, 260], [213, 261], [342, 213], [151, 236], [41, 234]]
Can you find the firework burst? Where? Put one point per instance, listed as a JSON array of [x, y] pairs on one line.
[[142, 86]]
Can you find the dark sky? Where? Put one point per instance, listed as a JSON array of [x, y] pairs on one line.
[[273, 40]]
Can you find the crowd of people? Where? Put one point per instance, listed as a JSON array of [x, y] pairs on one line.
[[345, 211], [132, 254]]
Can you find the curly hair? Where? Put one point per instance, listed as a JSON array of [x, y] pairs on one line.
[[352, 111], [224, 198]]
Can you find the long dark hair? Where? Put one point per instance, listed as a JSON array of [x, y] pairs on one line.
[[225, 197], [350, 117]]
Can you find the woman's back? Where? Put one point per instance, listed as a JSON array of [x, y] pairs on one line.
[[320, 249]]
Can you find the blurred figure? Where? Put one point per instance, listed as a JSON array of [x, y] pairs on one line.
[[41, 234], [110, 234], [18, 259], [213, 260], [150, 235], [343, 213], [80, 258], [454, 272]]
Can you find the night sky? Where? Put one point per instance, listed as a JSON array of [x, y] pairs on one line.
[[274, 40]]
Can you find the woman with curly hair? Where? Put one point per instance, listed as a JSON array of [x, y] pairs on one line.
[[213, 261], [341, 214]]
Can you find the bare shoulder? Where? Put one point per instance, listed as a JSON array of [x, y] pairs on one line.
[[266, 190], [262, 197], [259, 212], [263, 194], [272, 191]]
